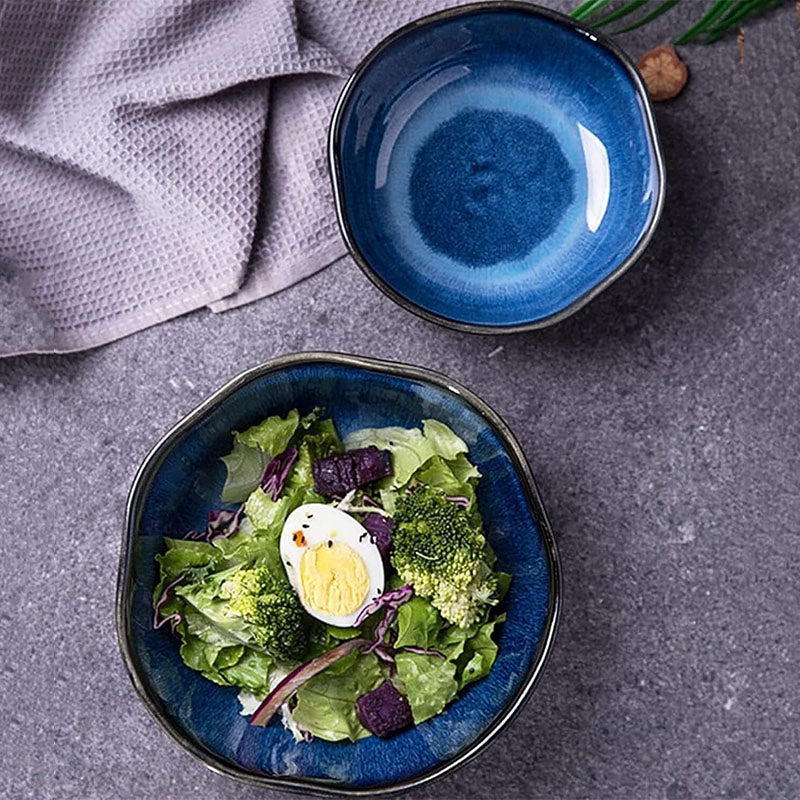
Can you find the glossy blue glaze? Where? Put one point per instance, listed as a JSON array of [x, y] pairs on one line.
[[494, 166], [186, 485], [475, 180]]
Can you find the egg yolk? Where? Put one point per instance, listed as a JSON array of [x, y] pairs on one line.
[[334, 578]]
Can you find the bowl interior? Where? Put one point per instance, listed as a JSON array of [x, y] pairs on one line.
[[185, 483], [494, 165]]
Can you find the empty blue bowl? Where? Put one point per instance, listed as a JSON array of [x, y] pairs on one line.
[[495, 166], [180, 481]]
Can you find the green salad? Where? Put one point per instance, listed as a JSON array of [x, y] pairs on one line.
[[345, 586]]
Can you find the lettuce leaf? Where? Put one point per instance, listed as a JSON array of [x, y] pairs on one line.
[[463, 469], [182, 556], [429, 683], [200, 656], [205, 598], [264, 512], [259, 548], [272, 435], [201, 628], [326, 704], [191, 559], [267, 514], [443, 440], [453, 640], [342, 634], [245, 466], [388, 500], [323, 637], [343, 665], [479, 653], [439, 473], [418, 624], [251, 671], [234, 665], [411, 448], [503, 584], [221, 660]]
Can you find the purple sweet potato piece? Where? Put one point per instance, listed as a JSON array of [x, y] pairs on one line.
[[384, 710], [372, 464], [346, 468], [380, 531], [337, 475], [326, 477]]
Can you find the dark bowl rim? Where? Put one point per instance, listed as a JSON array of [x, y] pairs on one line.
[[335, 167], [138, 492]]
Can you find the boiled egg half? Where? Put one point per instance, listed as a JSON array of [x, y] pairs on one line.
[[331, 562]]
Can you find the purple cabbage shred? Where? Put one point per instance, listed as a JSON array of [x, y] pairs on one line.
[[380, 531], [459, 500], [391, 601], [384, 653], [337, 475], [174, 619], [277, 471], [222, 523], [384, 710]]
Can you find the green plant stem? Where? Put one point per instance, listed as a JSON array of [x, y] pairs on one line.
[[656, 12], [719, 18], [587, 8], [613, 16], [737, 14], [717, 10]]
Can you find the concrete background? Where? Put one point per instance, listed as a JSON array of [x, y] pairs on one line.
[[662, 422]]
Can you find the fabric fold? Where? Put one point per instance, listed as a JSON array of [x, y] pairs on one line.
[[165, 155]]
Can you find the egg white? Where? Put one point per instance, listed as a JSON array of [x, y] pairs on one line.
[[318, 524]]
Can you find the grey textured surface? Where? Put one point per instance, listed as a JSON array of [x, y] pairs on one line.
[[662, 422]]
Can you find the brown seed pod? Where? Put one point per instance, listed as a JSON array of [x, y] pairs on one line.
[[663, 73], [740, 44]]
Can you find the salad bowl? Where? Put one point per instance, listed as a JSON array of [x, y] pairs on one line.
[[495, 166], [180, 481]]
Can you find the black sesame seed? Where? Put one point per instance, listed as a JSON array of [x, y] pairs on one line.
[[330, 543], [304, 525]]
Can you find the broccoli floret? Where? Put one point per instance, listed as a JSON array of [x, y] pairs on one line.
[[437, 549], [272, 608]]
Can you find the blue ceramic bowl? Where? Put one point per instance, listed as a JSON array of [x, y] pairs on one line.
[[495, 166], [180, 481]]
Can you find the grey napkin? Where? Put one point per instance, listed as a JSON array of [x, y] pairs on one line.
[[161, 155]]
